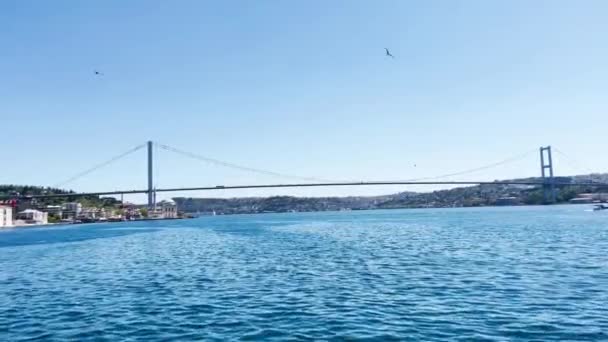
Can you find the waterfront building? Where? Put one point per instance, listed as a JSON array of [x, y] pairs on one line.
[[582, 200], [164, 209], [32, 216], [590, 198], [92, 213], [132, 213], [168, 209], [56, 210], [6, 216], [71, 210]]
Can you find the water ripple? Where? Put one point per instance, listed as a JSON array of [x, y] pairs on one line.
[[470, 275]]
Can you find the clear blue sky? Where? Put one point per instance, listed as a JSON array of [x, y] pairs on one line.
[[299, 87]]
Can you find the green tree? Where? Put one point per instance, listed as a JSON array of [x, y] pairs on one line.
[[143, 212], [564, 195], [534, 197], [54, 218]]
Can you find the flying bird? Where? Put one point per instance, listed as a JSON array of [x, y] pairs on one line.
[[388, 53], [98, 73]]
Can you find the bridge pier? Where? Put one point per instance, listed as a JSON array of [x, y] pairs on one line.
[[548, 183], [150, 177]]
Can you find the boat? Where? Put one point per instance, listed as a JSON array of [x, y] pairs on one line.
[[599, 207]]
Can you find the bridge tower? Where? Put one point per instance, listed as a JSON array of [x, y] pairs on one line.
[[150, 175], [547, 164]]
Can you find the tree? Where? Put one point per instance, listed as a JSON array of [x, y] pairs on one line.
[[54, 218], [143, 212], [564, 195], [534, 197]]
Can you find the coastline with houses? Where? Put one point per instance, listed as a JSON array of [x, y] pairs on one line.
[[28, 215]]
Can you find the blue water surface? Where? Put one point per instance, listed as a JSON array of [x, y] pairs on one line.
[[525, 273]]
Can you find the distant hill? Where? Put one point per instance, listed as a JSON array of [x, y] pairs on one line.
[[276, 204], [480, 195], [25, 190]]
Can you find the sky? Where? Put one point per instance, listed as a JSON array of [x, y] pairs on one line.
[[301, 88]]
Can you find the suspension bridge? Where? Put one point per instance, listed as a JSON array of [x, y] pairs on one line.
[[547, 179]]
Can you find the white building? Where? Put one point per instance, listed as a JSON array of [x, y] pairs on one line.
[[71, 209], [165, 209], [6, 216], [92, 213], [169, 209], [31, 216]]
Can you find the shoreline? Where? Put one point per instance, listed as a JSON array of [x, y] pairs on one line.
[[400, 208], [84, 223], [294, 212]]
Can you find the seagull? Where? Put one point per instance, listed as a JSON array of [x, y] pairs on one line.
[[98, 73], [388, 53]]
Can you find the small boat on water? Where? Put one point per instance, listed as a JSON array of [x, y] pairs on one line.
[[599, 207]]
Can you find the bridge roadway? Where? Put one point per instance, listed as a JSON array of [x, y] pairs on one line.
[[299, 185]]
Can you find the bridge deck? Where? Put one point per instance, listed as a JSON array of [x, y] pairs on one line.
[[297, 185]]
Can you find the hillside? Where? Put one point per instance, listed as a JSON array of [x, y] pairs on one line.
[[481, 195], [276, 204], [26, 190]]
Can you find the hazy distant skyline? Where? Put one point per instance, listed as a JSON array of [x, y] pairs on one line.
[[300, 88]]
